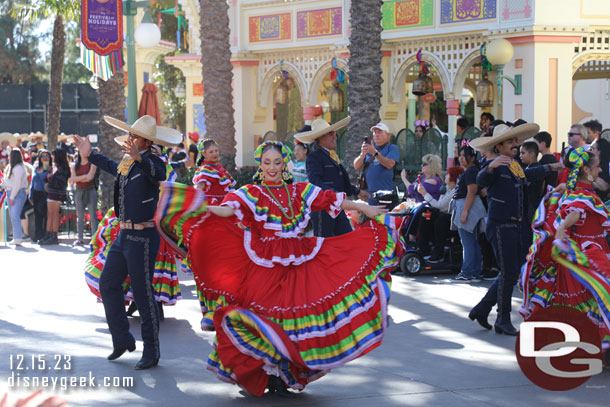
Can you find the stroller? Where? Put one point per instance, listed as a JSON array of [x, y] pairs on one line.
[[412, 262]]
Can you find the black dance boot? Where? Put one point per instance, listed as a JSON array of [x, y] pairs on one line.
[[132, 308], [506, 328], [277, 385]]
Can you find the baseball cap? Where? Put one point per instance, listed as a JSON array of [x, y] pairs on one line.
[[381, 126]]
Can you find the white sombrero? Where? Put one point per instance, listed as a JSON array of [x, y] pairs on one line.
[[503, 133], [146, 127], [320, 127], [12, 140], [38, 134]]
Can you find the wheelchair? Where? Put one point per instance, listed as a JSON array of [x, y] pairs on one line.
[[413, 262]]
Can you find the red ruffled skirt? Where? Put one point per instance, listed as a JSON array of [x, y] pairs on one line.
[[292, 307]]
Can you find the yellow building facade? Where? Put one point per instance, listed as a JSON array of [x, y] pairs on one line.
[[561, 50]]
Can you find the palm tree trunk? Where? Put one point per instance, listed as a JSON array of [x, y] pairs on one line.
[[111, 96], [58, 52], [217, 72], [364, 88]]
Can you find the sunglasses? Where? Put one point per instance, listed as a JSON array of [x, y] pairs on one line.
[[424, 164], [574, 134]]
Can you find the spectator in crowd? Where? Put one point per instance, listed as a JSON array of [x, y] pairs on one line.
[[193, 152], [27, 208], [430, 177], [544, 140], [594, 129], [299, 166], [578, 136], [533, 188], [486, 119], [16, 184], [7, 141], [43, 167], [468, 213], [381, 157], [432, 169], [435, 227], [419, 131], [462, 125], [85, 195], [179, 154], [57, 184], [601, 148]]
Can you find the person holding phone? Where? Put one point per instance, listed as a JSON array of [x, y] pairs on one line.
[[381, 157], [43, 167]]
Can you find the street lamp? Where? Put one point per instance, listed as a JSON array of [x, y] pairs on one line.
[[180, 91], [147, 36], [499, 52], [465, 98]]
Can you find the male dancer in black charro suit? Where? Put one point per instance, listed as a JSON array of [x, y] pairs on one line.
[[133, 253]]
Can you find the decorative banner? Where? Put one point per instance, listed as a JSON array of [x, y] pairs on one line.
[[407, 13], [199, 120], [270, 28], [516, 10], [457, 11], [104, 66], [102, 25], [197, 89], [316, 23]]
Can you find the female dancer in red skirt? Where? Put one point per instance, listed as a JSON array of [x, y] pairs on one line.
[[216, 182], [574, 269], [288, 308], [211, 177]]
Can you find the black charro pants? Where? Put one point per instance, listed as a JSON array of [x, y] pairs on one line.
[[506, 240], [133, 253]]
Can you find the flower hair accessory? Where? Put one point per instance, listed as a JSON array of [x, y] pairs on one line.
[[286, 156], [203, 142], [576, 159], [284, 149]]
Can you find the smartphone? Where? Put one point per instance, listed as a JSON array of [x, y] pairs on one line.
[[403, 164], [366, 139]]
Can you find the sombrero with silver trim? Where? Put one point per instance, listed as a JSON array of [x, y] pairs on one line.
[[320, 127], [502, 133], [146, 127]]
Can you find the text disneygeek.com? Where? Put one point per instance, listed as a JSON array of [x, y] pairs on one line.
[[24, 369]]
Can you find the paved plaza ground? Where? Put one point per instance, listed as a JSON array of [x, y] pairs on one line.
[[432, 354]]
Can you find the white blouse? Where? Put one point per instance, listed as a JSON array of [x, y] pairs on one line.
[[17, 181]]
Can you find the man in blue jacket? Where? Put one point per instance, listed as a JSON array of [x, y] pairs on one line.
[[507, 228], [324, 169], [133, 253]]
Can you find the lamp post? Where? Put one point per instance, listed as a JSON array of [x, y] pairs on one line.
[[466, 96], [147, 35], [499, 52]]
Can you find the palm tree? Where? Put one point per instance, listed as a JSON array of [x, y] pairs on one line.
[[59, 9], [364, 89], [111, 97], [217, 73]]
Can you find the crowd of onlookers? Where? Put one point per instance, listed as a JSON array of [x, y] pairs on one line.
[[38, 182]]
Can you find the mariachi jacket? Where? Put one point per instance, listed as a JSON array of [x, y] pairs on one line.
[[137, 193]]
